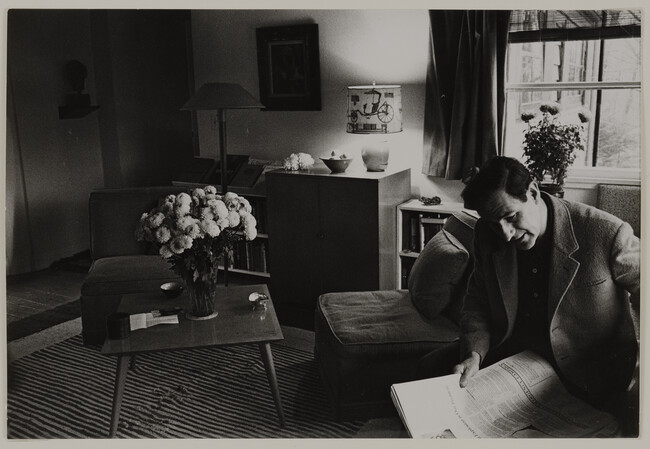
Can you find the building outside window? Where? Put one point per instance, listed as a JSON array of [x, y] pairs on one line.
[[581, 60]]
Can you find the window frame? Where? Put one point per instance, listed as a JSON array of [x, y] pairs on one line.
[[580, 176]]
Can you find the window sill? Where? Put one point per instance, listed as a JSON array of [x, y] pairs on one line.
[[588, 178]]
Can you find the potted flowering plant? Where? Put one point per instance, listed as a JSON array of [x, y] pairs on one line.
[[193, 231], [550, 146]]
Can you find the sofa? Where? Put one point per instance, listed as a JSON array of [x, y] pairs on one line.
[[120, 263], [367, 341]]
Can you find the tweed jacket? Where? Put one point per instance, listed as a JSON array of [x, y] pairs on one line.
[[595, 260]]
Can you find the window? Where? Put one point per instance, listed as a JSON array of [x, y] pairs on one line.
[[581, 60]]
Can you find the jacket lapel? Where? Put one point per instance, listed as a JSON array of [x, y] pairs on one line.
[[563, 266]]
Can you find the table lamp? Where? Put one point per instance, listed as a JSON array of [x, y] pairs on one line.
[[221, 97], [375, 110]]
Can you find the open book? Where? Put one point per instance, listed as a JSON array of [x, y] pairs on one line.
[[518, 397]]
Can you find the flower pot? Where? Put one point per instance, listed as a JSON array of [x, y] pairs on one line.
[[553, 189], [201, 293]]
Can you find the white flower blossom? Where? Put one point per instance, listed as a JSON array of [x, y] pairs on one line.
[[210, 228], [207, 214], [223, 223], [305, 160], [180, 243], [248, 219], [180, 210], [163, 234], [166, 252], [194, 231], [183, 198], [199, 193], [234, 219], [185, 223], [156, 220], [250, 233], [246, 205], [219, 208], [167, 208], [298, 161]]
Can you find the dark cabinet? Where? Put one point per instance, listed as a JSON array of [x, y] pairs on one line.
[[331, 233]]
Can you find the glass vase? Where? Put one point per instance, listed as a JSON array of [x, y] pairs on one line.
[[202, 295]]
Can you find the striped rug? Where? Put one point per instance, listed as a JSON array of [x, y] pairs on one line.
[[65, 391]]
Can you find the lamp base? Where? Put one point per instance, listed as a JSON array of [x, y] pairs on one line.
[[375, 155]]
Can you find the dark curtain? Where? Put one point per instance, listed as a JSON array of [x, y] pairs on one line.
[[465, 90]]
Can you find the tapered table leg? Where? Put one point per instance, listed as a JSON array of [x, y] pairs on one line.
[[267, 357], [120, 382]]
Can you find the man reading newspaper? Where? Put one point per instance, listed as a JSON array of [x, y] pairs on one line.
[[550, 276]]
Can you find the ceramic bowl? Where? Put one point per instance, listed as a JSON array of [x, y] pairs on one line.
[[172, 289], [336, 165]]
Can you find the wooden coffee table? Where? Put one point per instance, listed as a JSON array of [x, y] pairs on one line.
[[237, 323]]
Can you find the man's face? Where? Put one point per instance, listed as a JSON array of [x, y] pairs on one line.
[[516, 221]]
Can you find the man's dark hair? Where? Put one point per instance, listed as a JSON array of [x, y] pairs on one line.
[[500, 172]]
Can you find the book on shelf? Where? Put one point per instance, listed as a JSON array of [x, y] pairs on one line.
[[250, 256], [518, 397], [430, 225], [414, 236], [407, 266]]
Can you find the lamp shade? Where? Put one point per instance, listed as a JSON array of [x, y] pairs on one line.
[[374, 109], [212, 96]]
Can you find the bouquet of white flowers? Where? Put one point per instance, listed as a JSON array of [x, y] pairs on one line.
[[298, 161], [194, 230]]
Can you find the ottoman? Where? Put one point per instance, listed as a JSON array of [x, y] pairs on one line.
[[366, 341]]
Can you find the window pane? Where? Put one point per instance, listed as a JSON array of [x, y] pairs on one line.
[[574, 61], [571, 102], [616, 142], [622, 60], [619, 140]]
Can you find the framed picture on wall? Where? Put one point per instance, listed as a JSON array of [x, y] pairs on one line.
[[288, 62]]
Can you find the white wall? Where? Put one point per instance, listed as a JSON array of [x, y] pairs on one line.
[[356, 47], [51, 163]]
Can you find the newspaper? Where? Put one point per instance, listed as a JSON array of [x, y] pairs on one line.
[[518, 397], [144, 320]]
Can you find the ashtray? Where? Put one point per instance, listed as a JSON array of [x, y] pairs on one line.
[[257, 299], [172, 289]]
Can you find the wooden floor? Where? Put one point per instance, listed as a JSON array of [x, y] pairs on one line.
[[29, 294]]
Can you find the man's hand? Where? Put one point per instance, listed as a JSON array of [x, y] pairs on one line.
[[467, 368]]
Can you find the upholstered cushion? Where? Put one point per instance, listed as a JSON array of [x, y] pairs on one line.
[[127, 274], [436, 274], [622, 201], [381, 323], [114, 215], [461, 225]]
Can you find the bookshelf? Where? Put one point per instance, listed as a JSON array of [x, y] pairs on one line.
[[251, 258], [416, 224]]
